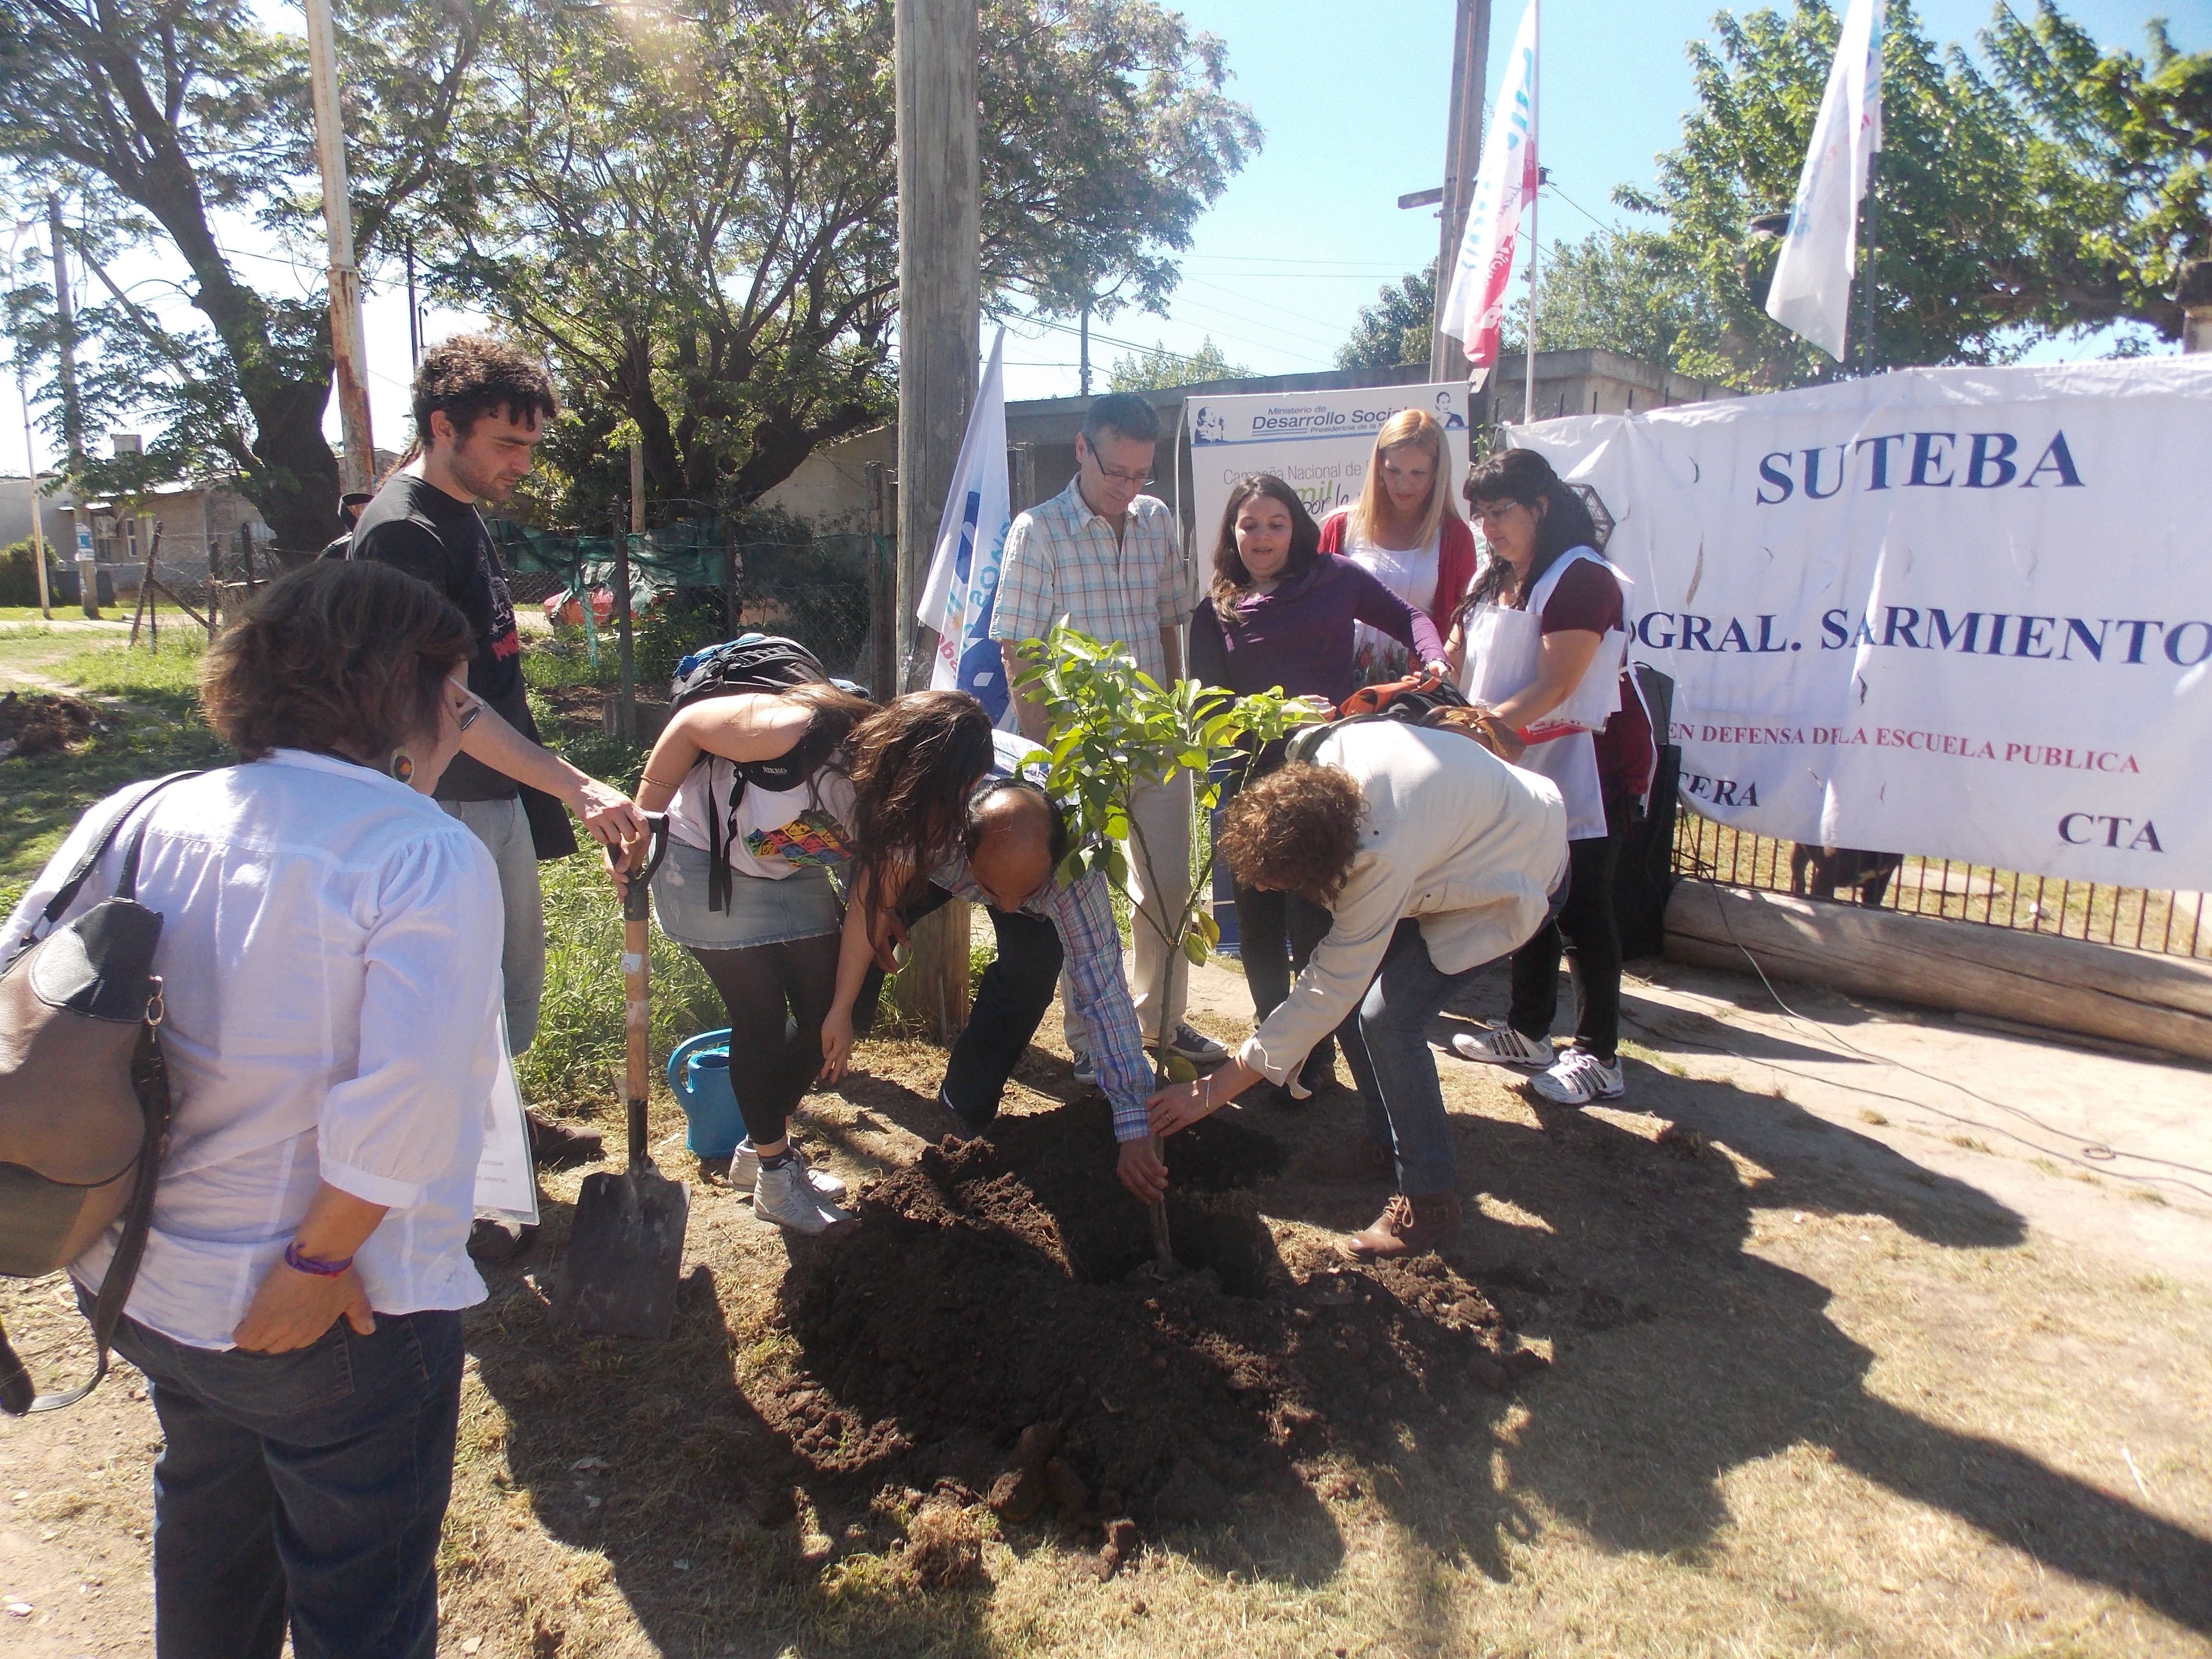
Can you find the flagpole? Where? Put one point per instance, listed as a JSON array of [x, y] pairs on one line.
[[1536, 154], [1874, 248]]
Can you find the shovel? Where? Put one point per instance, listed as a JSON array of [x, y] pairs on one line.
[[626, 1244]]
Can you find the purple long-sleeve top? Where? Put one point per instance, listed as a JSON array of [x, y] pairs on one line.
[[1299, 636]]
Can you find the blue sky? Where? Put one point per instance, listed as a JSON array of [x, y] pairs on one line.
[[1353, 96]]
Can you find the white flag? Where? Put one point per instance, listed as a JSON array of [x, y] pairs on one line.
[[1812, 290], [1475, 302], [971, 545]]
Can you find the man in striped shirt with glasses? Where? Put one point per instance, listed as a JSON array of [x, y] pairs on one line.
[[1109, 558]]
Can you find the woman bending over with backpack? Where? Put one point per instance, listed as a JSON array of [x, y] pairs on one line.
[[766, 792]]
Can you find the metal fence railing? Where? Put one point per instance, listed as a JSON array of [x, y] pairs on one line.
[[2168, 924]]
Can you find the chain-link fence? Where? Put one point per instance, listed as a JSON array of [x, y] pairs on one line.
[[823, 592]]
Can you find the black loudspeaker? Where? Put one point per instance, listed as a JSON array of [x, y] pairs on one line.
[[1645, 874]]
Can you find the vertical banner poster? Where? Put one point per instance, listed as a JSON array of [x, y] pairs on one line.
[[1959, 612], [1320, 443]]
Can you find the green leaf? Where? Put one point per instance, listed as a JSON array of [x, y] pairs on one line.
[[1179, 1068]]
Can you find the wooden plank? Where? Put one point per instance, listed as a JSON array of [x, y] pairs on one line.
[[2068, 984]]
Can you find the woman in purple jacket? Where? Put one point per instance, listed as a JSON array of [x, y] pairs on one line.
[[1281, 612]]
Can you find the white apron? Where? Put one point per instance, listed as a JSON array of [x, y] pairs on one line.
[[1501, 659]]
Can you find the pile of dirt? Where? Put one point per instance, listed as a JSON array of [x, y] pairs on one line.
[[41, 725], [995, 1322]]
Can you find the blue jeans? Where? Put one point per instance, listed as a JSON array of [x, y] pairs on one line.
[[305, 1487]]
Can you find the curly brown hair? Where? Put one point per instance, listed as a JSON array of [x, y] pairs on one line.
[[1295, 830], [470, 375], [336, 655], [914, 763]]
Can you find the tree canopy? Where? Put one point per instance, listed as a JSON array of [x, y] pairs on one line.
[[1395, 328], [158, 119], [1160, 368], [694, 213], [690, 209]]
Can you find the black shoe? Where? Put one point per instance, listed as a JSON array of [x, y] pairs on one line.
[[557, 1146], [971, 1128], [493, 1242]]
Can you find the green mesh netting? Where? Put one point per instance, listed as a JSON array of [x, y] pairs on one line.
[[819, 592]]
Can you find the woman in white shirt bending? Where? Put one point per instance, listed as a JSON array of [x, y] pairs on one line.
[[1403, 531], [330, 955]]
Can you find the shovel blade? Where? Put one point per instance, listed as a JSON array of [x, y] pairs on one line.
[[625, 1255]]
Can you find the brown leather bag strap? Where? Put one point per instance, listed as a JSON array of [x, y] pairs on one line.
[[149, 1073]]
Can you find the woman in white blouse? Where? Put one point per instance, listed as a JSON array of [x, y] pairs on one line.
[[1403, 531], [330, 956]]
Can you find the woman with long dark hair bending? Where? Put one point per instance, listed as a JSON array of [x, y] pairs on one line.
[[794, 784], [1540, 638], [1281, 612]]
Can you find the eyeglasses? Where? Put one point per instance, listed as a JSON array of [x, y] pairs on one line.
[[1491, 513], [1134, 480], [467, 717]]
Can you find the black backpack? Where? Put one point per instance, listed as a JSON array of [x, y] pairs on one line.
[[753, 663]]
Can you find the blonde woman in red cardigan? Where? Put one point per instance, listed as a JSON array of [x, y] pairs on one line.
[[1405, 532]]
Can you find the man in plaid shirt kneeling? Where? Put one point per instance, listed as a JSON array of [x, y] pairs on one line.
[[1016, 838]]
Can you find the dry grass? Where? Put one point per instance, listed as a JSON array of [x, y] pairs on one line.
[[1804, 1401]]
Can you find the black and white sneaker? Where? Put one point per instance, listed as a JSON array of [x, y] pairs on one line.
[[1193, 1045]]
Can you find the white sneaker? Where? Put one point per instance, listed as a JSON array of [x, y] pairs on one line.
[[1579, 1078], [1086, 1070], [1195, 1046], [744, 1171], [782, 1199], [1501, 1045]]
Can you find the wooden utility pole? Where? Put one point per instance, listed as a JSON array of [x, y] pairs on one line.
[[87, 571], [1463, 160], [348, 346], [625, 643], [940, 318]]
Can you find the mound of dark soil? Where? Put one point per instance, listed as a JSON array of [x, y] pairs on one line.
[[1004, 1285], [40, 725]]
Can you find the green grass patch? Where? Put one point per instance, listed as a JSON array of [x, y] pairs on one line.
[[167, 679], [576, 1061], [42, 797]]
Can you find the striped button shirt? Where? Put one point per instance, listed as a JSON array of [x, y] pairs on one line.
[[1062, 559]]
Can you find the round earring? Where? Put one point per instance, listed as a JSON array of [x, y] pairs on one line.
[[403, 766]]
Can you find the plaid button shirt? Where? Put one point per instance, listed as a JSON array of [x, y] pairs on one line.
[[1083, 916], [1062, 559]]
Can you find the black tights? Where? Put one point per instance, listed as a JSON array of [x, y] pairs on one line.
[[774, 1053], [1586, 931]]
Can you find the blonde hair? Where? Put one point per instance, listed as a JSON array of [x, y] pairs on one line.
[[1407, 427]]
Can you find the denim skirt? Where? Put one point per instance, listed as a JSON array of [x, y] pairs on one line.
[[803, 905]]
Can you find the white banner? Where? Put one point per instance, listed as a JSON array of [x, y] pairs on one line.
[[1320, 443], [971, 546], [1963, 612]]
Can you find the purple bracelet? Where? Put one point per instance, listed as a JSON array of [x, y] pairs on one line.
[[308, 1264]]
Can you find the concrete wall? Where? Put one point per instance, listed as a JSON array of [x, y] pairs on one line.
[[17, 495]]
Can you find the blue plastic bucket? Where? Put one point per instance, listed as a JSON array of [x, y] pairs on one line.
[[699, 1076]]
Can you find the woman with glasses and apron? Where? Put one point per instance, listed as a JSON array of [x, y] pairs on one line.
[[1541, 640]]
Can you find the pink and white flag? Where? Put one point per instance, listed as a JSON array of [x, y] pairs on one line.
[[1475, 303]]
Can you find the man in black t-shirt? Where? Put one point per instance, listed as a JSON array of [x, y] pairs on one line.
[[479, 407]]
